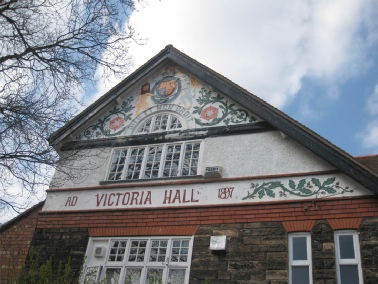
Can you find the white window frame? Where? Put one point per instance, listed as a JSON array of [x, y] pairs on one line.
[[104, 263], [162, 160], [153, 120], [357, 258], [297, 263]]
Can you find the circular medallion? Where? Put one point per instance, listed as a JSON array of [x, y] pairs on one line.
[[166, 90]]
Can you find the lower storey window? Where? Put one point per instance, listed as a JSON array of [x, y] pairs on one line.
[[348, 257], [138, 260], [300, 258]]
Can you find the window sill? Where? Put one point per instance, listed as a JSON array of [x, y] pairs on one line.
[[128, 181]]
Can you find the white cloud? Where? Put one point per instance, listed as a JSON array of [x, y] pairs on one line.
[[372, 102], [267, 47], [370, 136]]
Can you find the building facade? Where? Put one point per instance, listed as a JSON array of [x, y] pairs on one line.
[[177, 175], [15, 239]]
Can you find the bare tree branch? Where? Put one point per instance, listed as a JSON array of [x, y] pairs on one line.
[[49, 51]]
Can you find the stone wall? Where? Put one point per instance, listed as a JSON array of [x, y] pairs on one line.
[[258, 253], [368, 235], [323, 254], [255, 253], [61, 245]]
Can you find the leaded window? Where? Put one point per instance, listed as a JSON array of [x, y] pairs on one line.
[[160, 122], [155, 161], [139, 260]]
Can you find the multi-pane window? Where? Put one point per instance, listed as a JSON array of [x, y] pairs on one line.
[[159, 260], [300, 270], [348, 257], [160, 122], [154, 161]]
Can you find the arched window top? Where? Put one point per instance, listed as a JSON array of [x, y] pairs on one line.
[[160, 122]]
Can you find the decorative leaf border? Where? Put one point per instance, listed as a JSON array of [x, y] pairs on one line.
[[99, 129], [229, 113], [304, 188]]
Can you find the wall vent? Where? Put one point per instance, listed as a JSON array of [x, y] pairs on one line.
[[99, 251], [213, 172]]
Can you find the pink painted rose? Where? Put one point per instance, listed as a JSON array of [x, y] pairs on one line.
[[116, 123], [209, 113]]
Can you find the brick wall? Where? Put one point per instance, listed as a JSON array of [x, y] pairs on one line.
[[15, 239], [180, 216]]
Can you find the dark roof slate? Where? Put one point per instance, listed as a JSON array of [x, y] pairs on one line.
[[370, 162]]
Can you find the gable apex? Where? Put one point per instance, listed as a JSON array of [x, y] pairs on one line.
[[276, 118]]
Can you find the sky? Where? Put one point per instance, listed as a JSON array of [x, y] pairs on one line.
[[317, 61]]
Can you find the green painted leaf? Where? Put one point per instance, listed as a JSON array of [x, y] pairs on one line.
[[316, 182], [329, 189], [305, 190], [301, 183], [270, 193], [274, 184], [261, 193], [292, 184], [329, 181]]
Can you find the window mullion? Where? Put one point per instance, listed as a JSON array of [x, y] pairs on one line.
[[169, 122], [144, 161], [182, 155], [123, 176], [162, 160], [152, 124]]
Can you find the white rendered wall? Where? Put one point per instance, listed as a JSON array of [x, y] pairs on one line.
[[256, 154], [260, 154], [88, 169]]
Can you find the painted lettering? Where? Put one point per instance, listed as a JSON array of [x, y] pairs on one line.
[[225, 192], [181, 196], [192, 199], [68, 202], [118, 196], [134, 197], [177, 196], [148, 198], [71, 201], [110, 197], [124, 200], [99, 200], [184, 200], [167, 198]]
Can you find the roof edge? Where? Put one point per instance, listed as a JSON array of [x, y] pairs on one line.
[[20, 216]]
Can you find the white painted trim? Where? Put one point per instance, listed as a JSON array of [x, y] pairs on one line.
[[91, 261], [308, 262], [357, 257]]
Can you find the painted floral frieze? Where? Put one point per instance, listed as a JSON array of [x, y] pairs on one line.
[[169, 86], [112, 124], [215, 109], [305, 188]]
